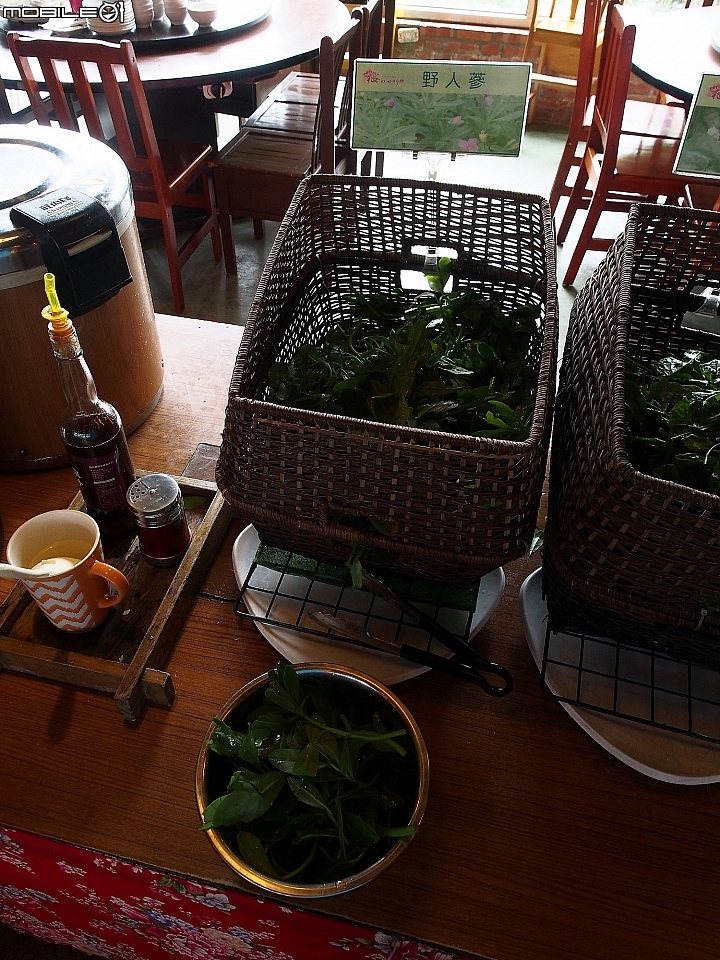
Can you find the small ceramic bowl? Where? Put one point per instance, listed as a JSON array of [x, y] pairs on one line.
[[203, 12], [355, 691]]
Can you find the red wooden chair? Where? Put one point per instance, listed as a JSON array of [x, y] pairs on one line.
[[621, 168], [291, 107], [641, 117], [163, 173], [258, 172]]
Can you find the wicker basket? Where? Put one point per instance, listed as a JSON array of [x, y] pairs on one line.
[[457, 506], [626, 554]]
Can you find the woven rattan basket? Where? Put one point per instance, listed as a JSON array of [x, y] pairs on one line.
[[457, 506], [628, 555]]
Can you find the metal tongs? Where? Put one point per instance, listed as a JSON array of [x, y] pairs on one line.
[[471, 665]]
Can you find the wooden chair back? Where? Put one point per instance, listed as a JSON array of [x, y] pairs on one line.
[[612, 85], [373, 28], [258, 172], [355, 46], [88, 61], [388, 38], [586, 66], [106, 84]]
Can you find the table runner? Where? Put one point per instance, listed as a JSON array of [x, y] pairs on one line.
[[107, 907]]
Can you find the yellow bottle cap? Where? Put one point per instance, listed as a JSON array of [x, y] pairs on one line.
[[60, 326]]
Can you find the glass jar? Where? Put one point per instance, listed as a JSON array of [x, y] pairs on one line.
[[156, 503]]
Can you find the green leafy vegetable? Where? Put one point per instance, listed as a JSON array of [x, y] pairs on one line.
[[673, 419], [190, 503], [454, 362], [314, 796]]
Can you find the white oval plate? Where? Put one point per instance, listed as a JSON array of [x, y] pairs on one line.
[[300, 648], [661, 754]]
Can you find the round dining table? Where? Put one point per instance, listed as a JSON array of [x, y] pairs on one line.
[[178, 78], [673, 50], [288, 35]]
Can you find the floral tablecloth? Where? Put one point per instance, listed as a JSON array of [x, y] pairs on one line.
[[107, 907]]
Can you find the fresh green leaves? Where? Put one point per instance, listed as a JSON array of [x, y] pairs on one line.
[[673, 419], [314, 795], [455, 362]]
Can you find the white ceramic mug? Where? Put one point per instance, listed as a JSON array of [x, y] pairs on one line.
[[144, 12], [77, 592]]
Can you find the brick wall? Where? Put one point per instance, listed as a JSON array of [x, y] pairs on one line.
[[439, 41]]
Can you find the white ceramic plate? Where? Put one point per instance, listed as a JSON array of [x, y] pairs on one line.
[[657, 753], [300, 648]]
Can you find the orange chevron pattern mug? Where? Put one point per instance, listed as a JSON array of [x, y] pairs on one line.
[[74, 587]]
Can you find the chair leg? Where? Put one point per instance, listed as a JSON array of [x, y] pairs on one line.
[[174, 269], [211, 204], [574, 202], [567, 161], [258, 229], [586, 235], [225, 221]]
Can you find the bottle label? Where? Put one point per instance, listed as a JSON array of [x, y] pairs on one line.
[[101, 481]]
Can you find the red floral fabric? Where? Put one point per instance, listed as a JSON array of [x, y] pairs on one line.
[[106, 907]]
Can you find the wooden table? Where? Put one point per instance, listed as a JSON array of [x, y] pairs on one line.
[[290, 34], [173, 79], [536, 843], [672, 50]]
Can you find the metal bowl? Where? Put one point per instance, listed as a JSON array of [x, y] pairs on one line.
[[354, 690]]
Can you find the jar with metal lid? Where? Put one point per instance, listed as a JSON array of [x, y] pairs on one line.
[[156, 503]]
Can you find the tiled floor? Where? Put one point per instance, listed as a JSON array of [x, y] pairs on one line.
[[211, 295]]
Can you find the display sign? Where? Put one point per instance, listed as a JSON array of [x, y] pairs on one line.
[[699, 153], [440, 106]]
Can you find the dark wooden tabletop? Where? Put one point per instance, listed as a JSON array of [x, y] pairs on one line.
[[672, 50], [536, 843], [290, 34]]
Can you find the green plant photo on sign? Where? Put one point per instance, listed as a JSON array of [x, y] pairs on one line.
[[440, 106], [699, 153]]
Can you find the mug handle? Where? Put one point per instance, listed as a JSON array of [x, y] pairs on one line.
[[113, 576]]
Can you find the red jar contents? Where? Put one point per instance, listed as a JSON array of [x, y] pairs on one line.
[[156, 504]]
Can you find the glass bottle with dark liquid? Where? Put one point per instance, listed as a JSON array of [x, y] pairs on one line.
[[91, 429]]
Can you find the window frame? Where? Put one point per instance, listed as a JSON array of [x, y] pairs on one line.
[[460, 14]]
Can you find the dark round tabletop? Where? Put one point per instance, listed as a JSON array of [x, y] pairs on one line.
[[289, 35]]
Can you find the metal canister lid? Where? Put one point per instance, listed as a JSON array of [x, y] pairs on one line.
[[155, 500], [35, 160]]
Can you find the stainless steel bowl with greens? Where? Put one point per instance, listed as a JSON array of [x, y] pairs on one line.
[[312, 780]]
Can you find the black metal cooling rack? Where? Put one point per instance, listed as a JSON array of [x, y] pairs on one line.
[[307, 593], [635, 683]]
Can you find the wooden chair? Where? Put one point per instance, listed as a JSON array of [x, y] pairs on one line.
[[641, 117], [162, 173], [291, 107], [258, 172], [620, 168]]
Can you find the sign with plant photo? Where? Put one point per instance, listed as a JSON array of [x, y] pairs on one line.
[[440, 106], [699, 153]]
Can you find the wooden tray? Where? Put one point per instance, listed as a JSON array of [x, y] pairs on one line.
[[125, 655]]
